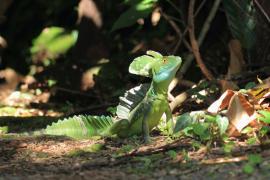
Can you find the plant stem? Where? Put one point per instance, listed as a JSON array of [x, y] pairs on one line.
[[205, 28], [194, 42]]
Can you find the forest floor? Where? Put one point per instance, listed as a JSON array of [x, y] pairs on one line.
[[54, 157], [47, 157]]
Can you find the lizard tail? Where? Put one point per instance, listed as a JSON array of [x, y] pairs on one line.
[[78, 127]]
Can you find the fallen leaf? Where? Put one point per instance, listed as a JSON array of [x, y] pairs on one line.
[[155, 16], [227, 85], [221, 103], [88, 9], [237, 61], [240, 111]]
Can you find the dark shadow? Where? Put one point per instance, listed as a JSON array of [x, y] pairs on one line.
[[23, 124]]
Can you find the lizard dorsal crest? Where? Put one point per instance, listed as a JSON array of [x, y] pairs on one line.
[[130, 100]]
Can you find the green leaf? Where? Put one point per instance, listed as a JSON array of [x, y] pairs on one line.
[[242, 21], [51, 82], [264, 130], [142, 65], [251, 141], [247, 130], [172, 154], [265, 116], [3, 130], [255, 159], [222, 123], [201, 129], [138, 10], [228, 147], [54, 41], [250, 85], [188, 131], [248, 168], [182, 122]]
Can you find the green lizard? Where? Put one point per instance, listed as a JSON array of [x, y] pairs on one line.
[[139, 110]]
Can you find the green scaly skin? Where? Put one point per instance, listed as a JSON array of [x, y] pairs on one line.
[[142, 115]]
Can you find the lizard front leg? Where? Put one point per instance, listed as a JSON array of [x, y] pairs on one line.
[[145, 127], [169, 120]]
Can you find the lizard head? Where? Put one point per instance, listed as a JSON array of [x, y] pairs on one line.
[[164, 71], [155, 65], [161, 69]]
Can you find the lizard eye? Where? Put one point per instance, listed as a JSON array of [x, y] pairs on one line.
[[164, 60]]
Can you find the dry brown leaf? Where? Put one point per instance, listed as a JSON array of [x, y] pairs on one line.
[[3, 42], [221, 103], [240, 111], [260, 92], [88, 9], [226, 85], [155, 16], [237, 62]]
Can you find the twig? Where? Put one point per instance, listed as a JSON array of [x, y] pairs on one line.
[[194, 43], [73, 91], [179, 144], [178, 32], [205, 29], [262, 10], [199, 8], [178, 100], [188, 60], [208, 21], [175, 7]]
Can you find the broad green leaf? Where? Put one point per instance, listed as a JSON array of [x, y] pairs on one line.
[[264, 131], [54, 41], [135, 2], [250, 85], [138, 10], [222, 123], [201, 129], [265, 116], [188, 131], [242, 21], [142, 65], [182, 122]]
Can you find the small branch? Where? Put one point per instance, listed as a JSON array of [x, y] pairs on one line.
[[178, 100], [262, 10], [199, 8], [57, 88], [194, 43], [188, 60], [205, 29], [178, 144], [208, 21]]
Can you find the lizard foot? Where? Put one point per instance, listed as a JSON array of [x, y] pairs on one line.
[[147, 140]]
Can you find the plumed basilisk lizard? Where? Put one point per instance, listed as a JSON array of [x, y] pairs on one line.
[[139, 110]]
